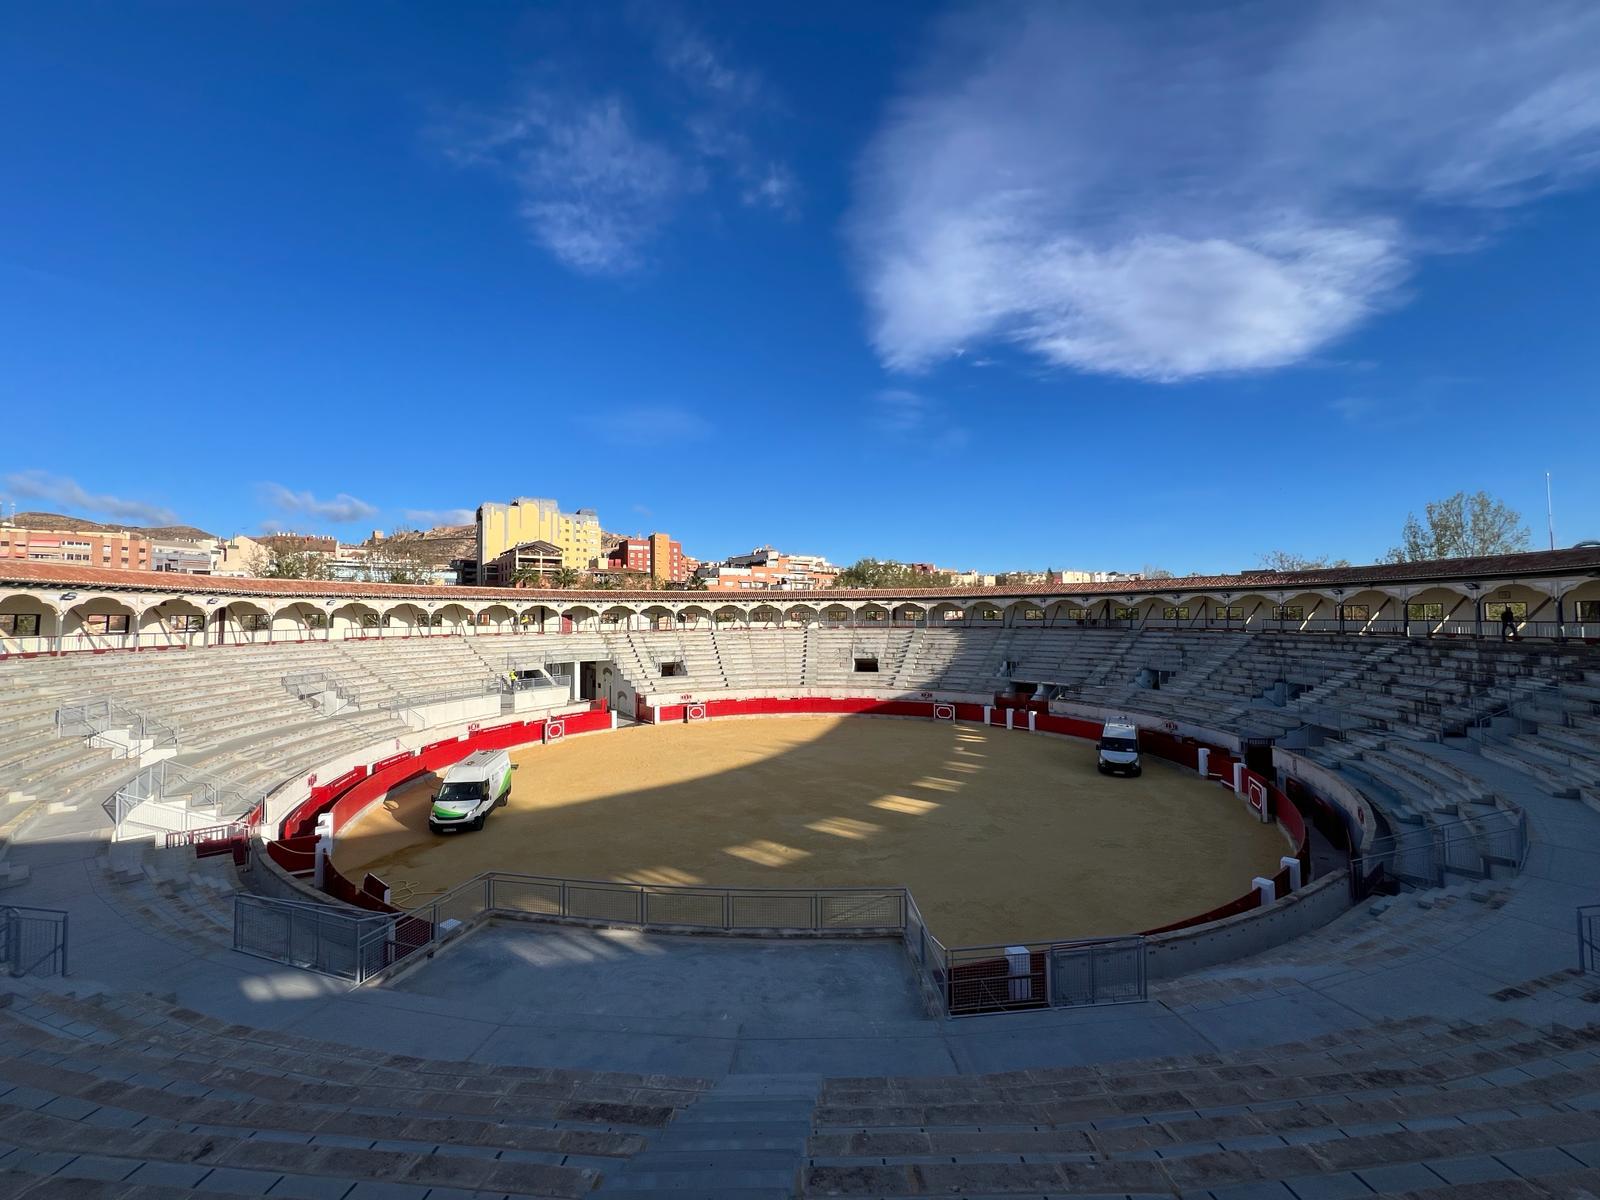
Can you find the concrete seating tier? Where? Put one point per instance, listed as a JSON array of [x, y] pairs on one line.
[[1395, 1107], [101, 1094]]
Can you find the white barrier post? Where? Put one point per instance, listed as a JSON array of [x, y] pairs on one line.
[[1204, 765], [1294, 871], [988, 714], [1020, 963], [1010, 714], [613, 718], [1031, 716], [324, 850], [1264, 887], [1238, 779]]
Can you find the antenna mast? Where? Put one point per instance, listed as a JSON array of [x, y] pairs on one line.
[[1549, 511]]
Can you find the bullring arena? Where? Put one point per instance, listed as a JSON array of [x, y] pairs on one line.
[[804, 893], [996, 837]]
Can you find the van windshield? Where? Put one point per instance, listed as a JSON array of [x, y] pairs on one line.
[[1120, 745], [462, 793]]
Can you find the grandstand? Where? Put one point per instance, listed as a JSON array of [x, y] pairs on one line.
[[1418, 1014]]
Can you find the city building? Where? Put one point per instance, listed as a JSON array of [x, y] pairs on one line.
[[659, 556], [539, 558], [765, 567], [124, 550], [527, 519]]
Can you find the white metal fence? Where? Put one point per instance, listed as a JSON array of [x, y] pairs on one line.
[[167, 796], [363, 947]]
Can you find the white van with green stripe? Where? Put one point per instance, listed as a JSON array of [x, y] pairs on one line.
[[475, 785]]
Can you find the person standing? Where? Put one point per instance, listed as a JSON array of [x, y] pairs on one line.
[[1508, 624]]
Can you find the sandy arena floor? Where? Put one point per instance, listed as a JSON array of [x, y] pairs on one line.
[[1000, 836]]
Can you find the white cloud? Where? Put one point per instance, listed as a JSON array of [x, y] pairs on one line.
[[66, 492], [593, 189], [597, 184], [428, 518], [1177, 196], [341, 509]]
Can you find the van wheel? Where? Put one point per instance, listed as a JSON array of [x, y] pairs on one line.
[[1136, 772], [1102, 768], [478, 823]]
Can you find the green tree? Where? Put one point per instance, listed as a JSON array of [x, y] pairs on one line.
[[693, 583], [879, 573], [566, 577], [279, 563], [1287, 561], [530, 577], [1154, 572], [1461, 526]]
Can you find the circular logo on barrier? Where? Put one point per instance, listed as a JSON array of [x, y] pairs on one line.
[[694, 712], [474, 726], [554, 731], [944, 712]]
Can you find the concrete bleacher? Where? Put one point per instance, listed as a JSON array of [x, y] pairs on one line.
[[1485, 1083], [1405, 1106], [101, 1095]]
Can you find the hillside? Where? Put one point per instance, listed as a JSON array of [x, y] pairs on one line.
[[47, 520]]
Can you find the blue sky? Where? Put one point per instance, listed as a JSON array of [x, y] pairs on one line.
[[1004, 285]]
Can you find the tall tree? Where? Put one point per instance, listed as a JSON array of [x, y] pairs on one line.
[[1461, 526], [566, 577], [277, 563], [1154, 572], [877, 573], [1288, 560]]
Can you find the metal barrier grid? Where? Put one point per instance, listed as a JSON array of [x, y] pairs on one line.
[[1031, 975], [1588, 938], [33, 941]]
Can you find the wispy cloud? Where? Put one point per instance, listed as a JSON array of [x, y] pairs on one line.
[[647, 425], [1175, 195], [593, 189], [340, 509], [903, 415], [1354, 409], [66, 492], [596, 183], [428, 518]]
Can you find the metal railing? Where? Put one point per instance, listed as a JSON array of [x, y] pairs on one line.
[[317, 937], [314, 686], [1588, 938], [179, 797], [33, 941], [965, 981], [353, 946], [1422, 856], [1028, 975], [94, 719]]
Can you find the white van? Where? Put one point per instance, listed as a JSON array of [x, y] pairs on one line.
[[1119, 749], [478, 783]]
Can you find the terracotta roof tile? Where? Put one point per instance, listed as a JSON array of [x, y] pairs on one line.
[[1578, 561]]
